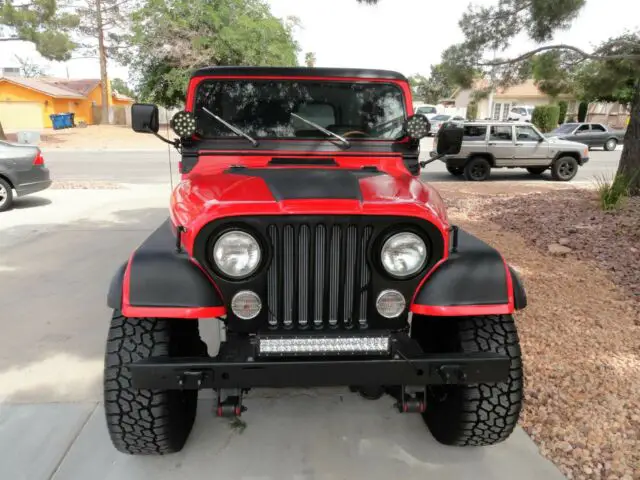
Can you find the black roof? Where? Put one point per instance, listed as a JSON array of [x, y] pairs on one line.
[[298, 72]]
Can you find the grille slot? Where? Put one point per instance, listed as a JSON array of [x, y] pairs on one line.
[[318, 276]]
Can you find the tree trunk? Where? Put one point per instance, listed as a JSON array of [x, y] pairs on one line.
[[2, 135], [630, 158], [104, 79]]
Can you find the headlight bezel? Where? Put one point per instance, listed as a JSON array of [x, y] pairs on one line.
[[217, 236], [388, 235]]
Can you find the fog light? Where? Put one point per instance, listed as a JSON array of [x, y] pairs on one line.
[[390, 303], [246, 305]]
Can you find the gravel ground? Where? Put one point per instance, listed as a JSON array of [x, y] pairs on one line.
[[580, 333]]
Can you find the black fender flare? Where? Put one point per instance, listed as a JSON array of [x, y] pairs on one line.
[[473, 280], [159, 281]]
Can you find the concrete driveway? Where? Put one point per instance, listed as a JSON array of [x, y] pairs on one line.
[[57, 254]]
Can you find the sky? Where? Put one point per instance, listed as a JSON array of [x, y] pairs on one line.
[[403, 35]]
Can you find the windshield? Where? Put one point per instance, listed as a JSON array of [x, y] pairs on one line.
[[566, 128], [264, 108], [426, 110], [441, 117]]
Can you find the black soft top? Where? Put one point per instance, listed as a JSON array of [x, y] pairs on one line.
[[298, 72]]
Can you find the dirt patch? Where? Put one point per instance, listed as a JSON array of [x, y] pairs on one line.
[[579, 334], [88, 185], [99, 137]]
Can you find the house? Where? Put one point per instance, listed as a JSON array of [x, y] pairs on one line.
[[26, 103], [497, 103]]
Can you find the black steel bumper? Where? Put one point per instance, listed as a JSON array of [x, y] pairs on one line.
[[237, 367]]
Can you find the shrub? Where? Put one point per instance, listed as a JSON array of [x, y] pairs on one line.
[[582, 111], [611, 193], [545, 117], [472, 111], [563, 111]]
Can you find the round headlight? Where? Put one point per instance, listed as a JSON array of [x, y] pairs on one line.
[[236, 254], [404, 254]]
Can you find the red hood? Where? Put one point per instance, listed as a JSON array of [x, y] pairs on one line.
[[203, 197]]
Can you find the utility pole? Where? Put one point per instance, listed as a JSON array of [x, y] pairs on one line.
[[104, 79]]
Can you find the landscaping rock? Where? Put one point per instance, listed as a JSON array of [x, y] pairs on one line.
[[558, 249]]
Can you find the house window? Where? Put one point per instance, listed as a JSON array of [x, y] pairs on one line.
[[497, 107], [505, 111]]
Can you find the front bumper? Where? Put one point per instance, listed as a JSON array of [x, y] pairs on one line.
[[239, 366]]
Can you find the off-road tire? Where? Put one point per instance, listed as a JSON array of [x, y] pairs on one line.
[[536, 170], [477, 169], [148, 422], [478, 414], [6, 203], [564, 169], [610, 145], [455, 171]]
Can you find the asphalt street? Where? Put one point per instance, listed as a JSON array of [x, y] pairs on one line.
[[154, 167], [58, 251]]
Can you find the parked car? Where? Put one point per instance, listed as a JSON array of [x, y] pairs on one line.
[[325, 265], [437, 121], [21, 169], [591, 134], [428, 111], [521, 113], [488, 145]]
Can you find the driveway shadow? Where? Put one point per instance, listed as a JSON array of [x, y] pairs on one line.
[[30, 202]]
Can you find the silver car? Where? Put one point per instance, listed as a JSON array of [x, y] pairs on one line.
[[21, 169], [437, 121], [493, 144]]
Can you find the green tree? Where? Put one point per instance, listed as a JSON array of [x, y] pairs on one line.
[[563, 106], [221, 32], [45, 23], [29, 68], [612, 70], [436, 87], [545, 117], [310, 59], [120, 86]]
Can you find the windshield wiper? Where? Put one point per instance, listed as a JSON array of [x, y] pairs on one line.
[[323, 130], [233, 128]]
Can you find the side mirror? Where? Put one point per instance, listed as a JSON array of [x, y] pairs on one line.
[[417, 126], [145, 118], [449, 140]]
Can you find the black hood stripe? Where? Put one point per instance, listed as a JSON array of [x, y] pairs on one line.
[[310, 183]]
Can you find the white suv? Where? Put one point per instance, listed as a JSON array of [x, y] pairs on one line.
[[521, 113]]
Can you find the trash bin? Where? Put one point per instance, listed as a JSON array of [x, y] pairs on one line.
[[66, 120], [57, 120]]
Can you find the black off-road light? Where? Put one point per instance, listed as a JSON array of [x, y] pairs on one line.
[[417, 126], [184, 124]]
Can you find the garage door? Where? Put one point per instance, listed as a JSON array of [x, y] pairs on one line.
[[21, 115]]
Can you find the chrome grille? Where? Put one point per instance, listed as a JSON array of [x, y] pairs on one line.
[[318, 276]]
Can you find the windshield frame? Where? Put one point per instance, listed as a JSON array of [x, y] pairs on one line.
[[402, 86]]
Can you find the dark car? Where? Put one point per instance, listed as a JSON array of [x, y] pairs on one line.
[[303, 228], [21, 169], [591, 134]]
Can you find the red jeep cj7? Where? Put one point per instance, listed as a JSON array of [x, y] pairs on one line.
[[301, 224]]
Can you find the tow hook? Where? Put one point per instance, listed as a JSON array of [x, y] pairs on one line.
[[229, 402]]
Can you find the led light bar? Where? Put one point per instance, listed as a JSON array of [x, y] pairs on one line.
[[324, 345]]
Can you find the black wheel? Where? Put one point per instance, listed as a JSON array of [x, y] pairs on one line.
[[477, 169], [6, 195], [146, 422], [610, 144], [536, 170], [456, 171], [564, 169], [478, 414]]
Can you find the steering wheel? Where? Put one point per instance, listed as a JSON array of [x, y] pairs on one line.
[[355, 132]]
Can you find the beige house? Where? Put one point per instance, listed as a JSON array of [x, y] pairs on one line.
[[497, 104]]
